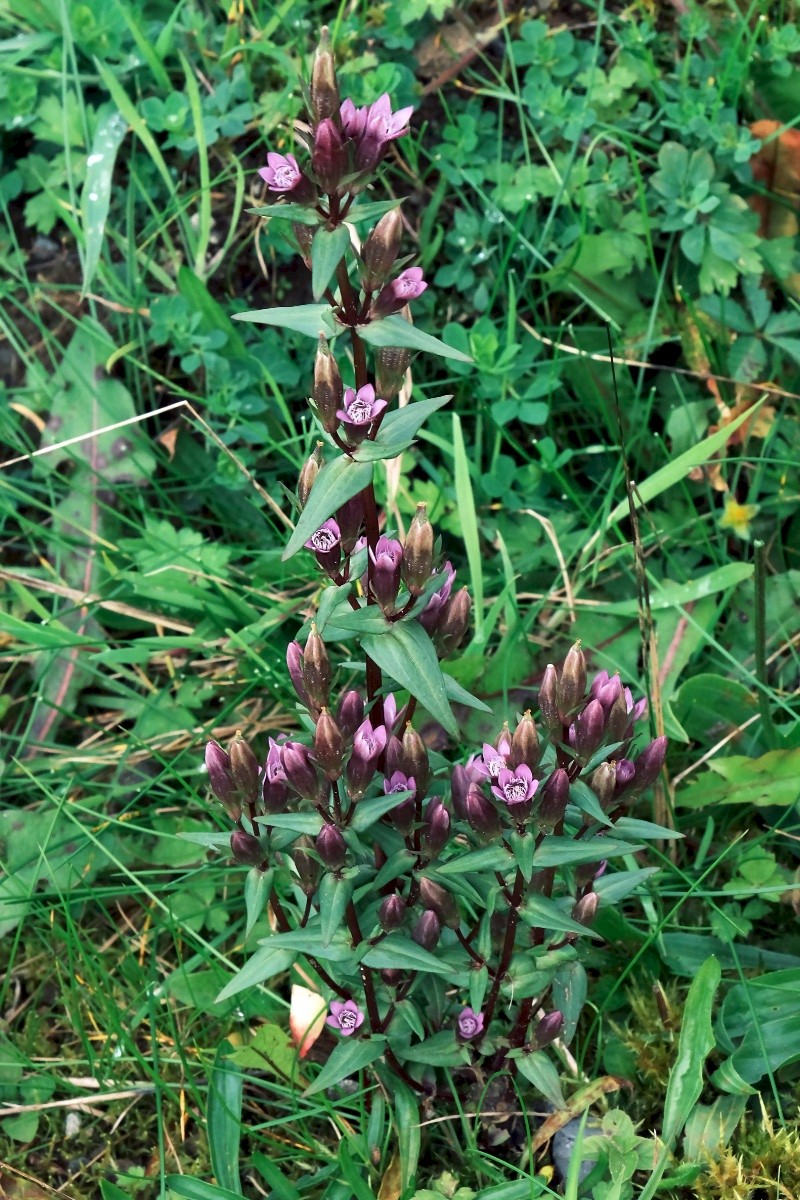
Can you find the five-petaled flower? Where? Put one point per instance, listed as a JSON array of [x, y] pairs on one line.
[[282, 174], [494, 759], [395, 295], [469, 1023], [360, 407], [345, 1016], [515, 787], [325, 539]]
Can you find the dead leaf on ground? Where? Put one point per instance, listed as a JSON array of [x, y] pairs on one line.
[[576, 1105], [391, 1184]]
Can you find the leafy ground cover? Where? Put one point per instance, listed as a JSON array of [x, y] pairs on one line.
[[584, 185]]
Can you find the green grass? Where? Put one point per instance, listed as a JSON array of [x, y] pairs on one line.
[[117, 934]]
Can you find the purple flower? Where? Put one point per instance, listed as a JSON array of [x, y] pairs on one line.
[[515, 787], [395, 295], [283, 174], [398, 782], [360, 407], [380, 127], [431, 614], [387, 558], [273, 768], [353, 119], [469, 1023], [325, 539], [402, 815], [345, 1016], [493, 759], [369, 742]]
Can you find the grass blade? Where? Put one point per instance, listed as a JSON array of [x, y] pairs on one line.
[[97, 189], [469, 525], [224, 1120]]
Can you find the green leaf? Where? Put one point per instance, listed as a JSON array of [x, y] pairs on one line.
[[197, 1189], [368, 212], [396, 331], [337, 482], [399, 428], [96, 195], [770, 779], [439, 1050], [334, 895], [308, 823], [547, 914], [273, 1176], [539, 1070], [680, 467], [266, 962], [400, 952], [468, 519], [327, 251], [711, 1126], [489, 858], [456, 694], [695, 1044], [349, 1057], [763, 1016], [224, 1119], [271, 1049], [678, 595], [214, 315], [281, 211], [636, 830], [257, 887], [560, 851], [370, 811], [314, 320], [406, 1118], [310, 941], [615, 887], [406, 653]]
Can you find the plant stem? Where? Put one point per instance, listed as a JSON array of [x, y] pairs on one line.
[[770, 732], [284, 926], [508, 948]]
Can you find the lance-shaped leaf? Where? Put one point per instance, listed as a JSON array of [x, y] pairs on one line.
[[396, 331], [96, 194], [405, 652], [347, 1059], [398, 430], [314, 320], [337, 482], [281, 211], [327, 251], [266, 962], [397, 951]]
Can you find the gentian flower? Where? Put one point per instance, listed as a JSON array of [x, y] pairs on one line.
[[360, 409], [395, 295], [469, 1023], [283, 175], [381, 126], [402, 815], [387, 559], [515, 787], [326, 542], [353, 119], [493, 760], [345, 1016], [432, 612]]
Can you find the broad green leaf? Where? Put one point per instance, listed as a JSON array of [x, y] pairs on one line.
[[371, 210], [400, 952], [763, 1016], [405, 652], [337, 482], [369, 811], [636, 830], [539, 1070], [615, 887], [271, 1049], [224, 1119], [264, 964], [468, 519], [439, 1050], [310, 941], [560, 851], [456, 694], [711, 1126], [678, 595], [488, 858], [349, 1057], [399, 428], [257, 887], [327, 250], [548, 914], [288, 211], [273, 1176], [680, 467], [309, 823], [695, 1044], [334, 895], [406, 1118], [569, 996], [396, 331], [314, 320], [96, 195], [771, 779]]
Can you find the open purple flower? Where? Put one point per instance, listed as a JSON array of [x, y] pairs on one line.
[[353, 119], [326, 539], [402, 815], [273, 768], [381, 122], [515, 787], [493, 760], [345, 1016], [398, 782], [360, 407], [469, 1023], [395, 295], [369, 742], [282, 174]]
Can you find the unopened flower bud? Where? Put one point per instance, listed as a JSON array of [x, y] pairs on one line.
[[427, 930], [392, 913], [310, 471], [555, 796], [391, 364], [455, 622], [294, 663], [307, 866], [324, 88], [381, 249], [328, 389], [299, 770], [460, 782], [369, 742], [572, 684], [394, 756], [603, 783], [547, 1030], [548, 702], [414, 760], [328, 156], [589, 729], [626, 773], [316, 669], [328, 745], [434, 896], [331, 847], [649, 763], [349, 518], [244, 769], [436, 828], [218, 765], [392, 977], [524, 744], [587, 872], [351, 712], [418, 552], [386, 559], [585, 910], [246, 848], [481, 813], [616, 719]]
